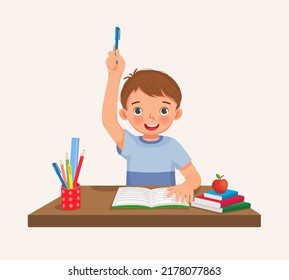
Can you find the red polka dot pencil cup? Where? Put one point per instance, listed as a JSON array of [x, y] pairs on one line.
[[70, 198]]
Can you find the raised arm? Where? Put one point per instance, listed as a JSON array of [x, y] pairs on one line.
[[115, 66]]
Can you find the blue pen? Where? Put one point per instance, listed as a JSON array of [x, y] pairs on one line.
[[117, 37], [57, 170]]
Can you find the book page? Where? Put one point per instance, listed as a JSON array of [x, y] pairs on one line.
[[158, 197], [131, 196]]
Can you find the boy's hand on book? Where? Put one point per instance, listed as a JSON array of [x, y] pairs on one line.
[[183, 192], [115, 63]]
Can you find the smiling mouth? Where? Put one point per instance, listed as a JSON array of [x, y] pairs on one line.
[[151, 126]]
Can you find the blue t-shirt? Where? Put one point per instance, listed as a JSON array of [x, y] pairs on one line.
[[152, 162]]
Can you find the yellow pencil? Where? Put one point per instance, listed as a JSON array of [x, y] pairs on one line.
[[70, 176]]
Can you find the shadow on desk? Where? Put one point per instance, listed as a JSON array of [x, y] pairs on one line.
[[96, 211]]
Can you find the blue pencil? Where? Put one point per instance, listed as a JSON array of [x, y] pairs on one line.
[[57, 170]]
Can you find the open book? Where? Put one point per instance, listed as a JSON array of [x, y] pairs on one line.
[[140, 197]]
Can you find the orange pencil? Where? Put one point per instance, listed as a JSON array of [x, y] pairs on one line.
[[78, 169]]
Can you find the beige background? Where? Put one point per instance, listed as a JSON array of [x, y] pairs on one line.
[[230, 59]]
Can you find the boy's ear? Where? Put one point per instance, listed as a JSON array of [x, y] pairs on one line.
[[122, 113], [179, 113]]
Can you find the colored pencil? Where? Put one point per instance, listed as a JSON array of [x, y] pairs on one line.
[[63, 172], [78, 169], [67, 177], [70, 176], [57, 170]]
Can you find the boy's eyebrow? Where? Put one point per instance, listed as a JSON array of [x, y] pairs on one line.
[[166, 102], [135, 102]]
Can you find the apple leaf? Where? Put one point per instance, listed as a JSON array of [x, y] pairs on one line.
[[219, 176]]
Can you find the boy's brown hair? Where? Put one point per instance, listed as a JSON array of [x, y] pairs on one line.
[[153, 83]]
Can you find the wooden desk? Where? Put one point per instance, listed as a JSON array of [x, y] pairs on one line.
[[96, 211]]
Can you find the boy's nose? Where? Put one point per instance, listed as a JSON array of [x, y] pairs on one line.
[[151, 117]]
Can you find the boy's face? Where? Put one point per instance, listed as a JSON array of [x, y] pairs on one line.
[[150, 115]]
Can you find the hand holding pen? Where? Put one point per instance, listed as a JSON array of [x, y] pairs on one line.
[[115, 69], [115, 62]]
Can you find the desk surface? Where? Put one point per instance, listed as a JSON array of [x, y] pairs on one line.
[[96, 211]]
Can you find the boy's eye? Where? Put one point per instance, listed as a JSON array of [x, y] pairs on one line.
[[137, 111], [164, 111]]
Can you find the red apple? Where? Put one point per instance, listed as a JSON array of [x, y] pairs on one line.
[[220, 185]]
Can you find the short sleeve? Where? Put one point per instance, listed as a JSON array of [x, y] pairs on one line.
[[128, 145], [179, 155]]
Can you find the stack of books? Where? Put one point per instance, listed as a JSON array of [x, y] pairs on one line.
[[228, 201]]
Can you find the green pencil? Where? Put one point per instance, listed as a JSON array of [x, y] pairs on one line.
[[67, 163]]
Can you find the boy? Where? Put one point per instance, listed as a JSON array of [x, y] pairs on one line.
[[151, 102]]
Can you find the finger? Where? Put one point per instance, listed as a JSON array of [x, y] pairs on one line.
[[192, 197], [188, 198], [111, 59], [118, 56], [169, 188], [110, 63], [110, 53], [177, 196], [112, 56], [183, 197], [171, 192]]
